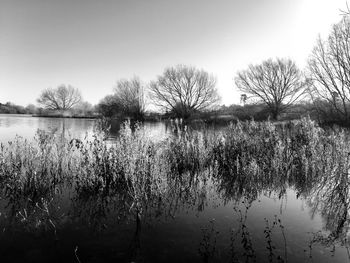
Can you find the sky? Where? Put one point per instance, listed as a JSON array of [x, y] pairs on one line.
[[91, 44]]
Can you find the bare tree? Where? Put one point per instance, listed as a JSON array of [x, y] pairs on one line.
[[329, 68], [277, 83], [109, 106], [60, 98], [129, 94], [183, 90], [84, 108], [345, 12]]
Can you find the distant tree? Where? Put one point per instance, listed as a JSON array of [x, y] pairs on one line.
[[129, 94], [60, 98], [184, 90], [31, 109], [277, 83], [109, 106], [11, 108], [84, 108], [329, 68], [127, 101]]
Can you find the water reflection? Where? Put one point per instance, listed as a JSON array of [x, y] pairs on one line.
[[200, 196], [156, 131], [330, 198], [27, 126], [232, 209]]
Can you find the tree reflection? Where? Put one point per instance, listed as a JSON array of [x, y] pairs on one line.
[[330, 198], [102, 187]]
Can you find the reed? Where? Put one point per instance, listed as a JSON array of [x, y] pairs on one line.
[[139, 175]]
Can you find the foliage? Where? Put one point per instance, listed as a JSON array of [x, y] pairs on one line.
[[84, 108], [11, 108], [127, 101], [109, 106]]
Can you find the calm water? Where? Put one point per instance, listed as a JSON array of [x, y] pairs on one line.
[[198, 221], [26, 126]]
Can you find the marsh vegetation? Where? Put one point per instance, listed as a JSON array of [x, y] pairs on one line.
[[133, 199]]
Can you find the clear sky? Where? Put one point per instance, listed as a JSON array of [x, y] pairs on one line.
[[90, 44]]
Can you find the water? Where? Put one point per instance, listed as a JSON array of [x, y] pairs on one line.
[[26, 126], [215, 220]]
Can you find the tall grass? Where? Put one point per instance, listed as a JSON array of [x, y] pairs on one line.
[[243, 161]]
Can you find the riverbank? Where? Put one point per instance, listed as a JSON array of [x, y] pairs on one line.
[[66, 116]]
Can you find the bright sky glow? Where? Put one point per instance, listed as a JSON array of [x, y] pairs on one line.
[[91, 44]]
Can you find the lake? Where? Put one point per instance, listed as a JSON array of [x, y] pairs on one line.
[[202, 218], [27, 126]]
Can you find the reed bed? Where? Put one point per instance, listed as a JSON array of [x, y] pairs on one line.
[[244, 160]]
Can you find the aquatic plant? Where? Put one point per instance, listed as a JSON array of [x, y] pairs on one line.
[[135, 178]]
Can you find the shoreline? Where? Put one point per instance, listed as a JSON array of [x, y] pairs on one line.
[[68, 117]]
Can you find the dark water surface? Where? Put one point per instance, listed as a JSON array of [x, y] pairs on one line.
[[201, 220]]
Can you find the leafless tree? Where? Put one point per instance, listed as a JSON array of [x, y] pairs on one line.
[[329, 68], [129, 94], [84, 108], [109, 106], [345, 12], [60, 98], [183, 90], [277, 83]]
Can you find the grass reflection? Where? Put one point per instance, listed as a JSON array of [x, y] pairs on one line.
[[52, 182]]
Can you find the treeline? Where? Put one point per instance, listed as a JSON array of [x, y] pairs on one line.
[[261, 112], [84, 109], [180, 92], [275, 89], [11, 108]]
